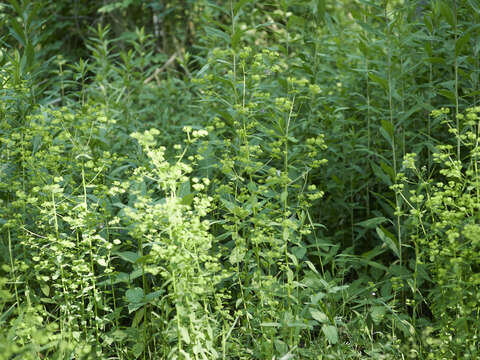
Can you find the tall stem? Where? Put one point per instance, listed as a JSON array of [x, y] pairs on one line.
[[393, 147], [90, 247], [456, 77]]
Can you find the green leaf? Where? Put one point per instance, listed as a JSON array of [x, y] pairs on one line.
[[153, 295], [203, 69], [373, 222], [294, 259], [447, 13], [135, 298], [135, 274], [270, 324], [311, 266], [318, 8], [45, 289], [228, 204], [119, 335], [16, 6], [428, 23], [380, 174], [37, 143], [30, 54], [137, 350], [135, 295], [184, 334], [280, 346], [363, 47], [386, 135], [371, 254], [435, 60], [295, 22], [184, 189], [137, 319], [119, 169], [115, 6], [400, 271], [187, 199], [17, 31], [319, 316], [143, 259], [134, 307], [388, 170], [297, 324], [373, 264], [387, 239], [331, 333], [379, 80], [299, 252], [388, 126], [422, 272], [102, 262], [239, 5], [237, 255], [475, 4], [217, 34], [473, 93], [222, 9], [235, 39], [377, 313], [461, 42], [448, 94], [406, 115], [129, 256]]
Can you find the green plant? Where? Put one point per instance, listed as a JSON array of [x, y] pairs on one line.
[[445, 237], [261, 157], [179, 292], [222, 179]]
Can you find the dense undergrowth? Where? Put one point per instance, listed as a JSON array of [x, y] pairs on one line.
[[240, 180]]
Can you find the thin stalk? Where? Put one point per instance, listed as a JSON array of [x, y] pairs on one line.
[[12, 269], [60, 266], [285, 209], [393, 147], [234, 55], [369, 135], [62, 82], [429, 122], [402, 103], [254, 208], [92, 267], [475, 163], [352, 211], [178, 312], [82, 307], [415, 275], [10, 250], [112, 287], [456, 78]]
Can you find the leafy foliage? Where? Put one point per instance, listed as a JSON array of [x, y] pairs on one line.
[[239, 179]]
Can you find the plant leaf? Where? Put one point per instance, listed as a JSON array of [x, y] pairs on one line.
[[129, 256], [373, 222], [331, 333], [387, 240], [319, 316], [135, 295]]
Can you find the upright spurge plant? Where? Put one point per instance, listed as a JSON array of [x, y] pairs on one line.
[[445, 233]]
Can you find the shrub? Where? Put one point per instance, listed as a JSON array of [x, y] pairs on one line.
[[445, 234]]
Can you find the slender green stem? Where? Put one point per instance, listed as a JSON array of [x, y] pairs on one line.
[[456, 78], [391, 118], [12, 268], [91, 254]]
